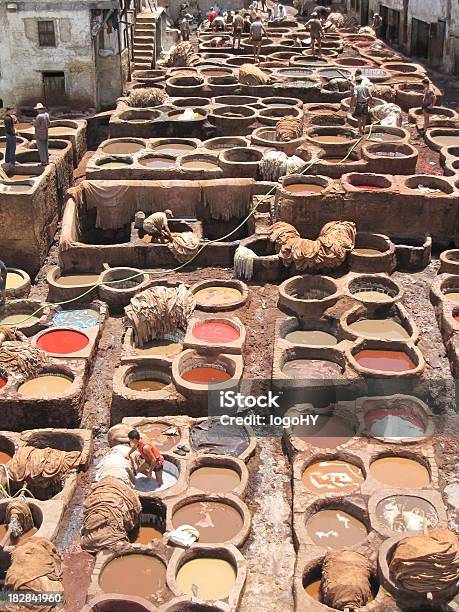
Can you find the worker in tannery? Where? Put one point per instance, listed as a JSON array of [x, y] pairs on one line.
[[314, 25], [157, 226], [151, 459]]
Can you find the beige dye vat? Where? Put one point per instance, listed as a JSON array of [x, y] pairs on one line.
[[165, 348], [51, 385], [123, 147], [311, 337], [214, 479], [70, 280], [157, 162], [18, 319], [206, 578], [400, 472], [114, 165], [145, 534], [59, 131], [372, 296], [174, 148], [200, 165], [217, 296], [147, 385], [312, 368], [20, 177], [154, 433], [330, 139], [446, 141], [313, 589], [301, 188], [334, 476], [335, 529], [135, 574], [25, 536], [379, 328], [364, 251], [14, 280], [401, 513], [215, 521]]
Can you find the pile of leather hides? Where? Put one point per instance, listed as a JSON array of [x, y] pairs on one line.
[[387, 114], [345, 580], [146, 97], [337, 19], [40, 467], [275, 164], [118, 434], [159, 310], [183, 246], [367, 30], [182, 55], [289, 128], [249, 74], [21, 358], [383, 92], [111, 510], [36, 565], [8, 334], [18, 517], [329, 250], [426, 563], [115, 464]]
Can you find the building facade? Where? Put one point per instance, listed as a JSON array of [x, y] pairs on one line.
[[65, 54], [424, 29]]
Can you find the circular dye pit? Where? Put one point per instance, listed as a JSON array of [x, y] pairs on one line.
[[186, 115], [48, 385], [335, 529], [402, 513], [394, 423], [123, 147], [385, 361], [200, 165], [71, 280], [206, 578], [453, 296], [14, 280], [144, 484], [446, 141], [4, 457], [301, 188], [21, 177], [214, 479], [154, 433], [62, 341], [149, 384], [174, 148], [334, 476], [372, 295], [312, 588], [400, 472], [165, 348], [215, 521], [157, 162], [370, 187], [216, 332], [363, 251], [332, 139], [379, 328], [145, 534], [114, 165], [312, 368], [80, 318], [59, 130], [25, 536], [311, 337], [217, 296], [217, 439], [205, 375], [329, 431], [20, 318], [135, 574]]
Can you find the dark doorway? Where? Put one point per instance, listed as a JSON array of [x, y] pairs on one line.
[[436, 43], [54, 88], [420, 32], [364, 12], [384, 14]]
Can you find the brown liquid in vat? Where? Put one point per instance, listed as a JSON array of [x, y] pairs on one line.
[[145, 534], [299, 188], [217, 296], [311, 337], [447, 141], [215, 521], [379, 328], [159, 347], [174, 148], [399, 472], [335, 529], [70, 280], [330, 139], [4, 457], [134, 574], [157, 162], [333, 476], [47, 385], [200, 165], [372, 296], [123, 147], [402, 513], [212, 579], [19, 177], [147, 385], [214, 479], [313, 589], [385, 361], [364, 251], [328, 432]]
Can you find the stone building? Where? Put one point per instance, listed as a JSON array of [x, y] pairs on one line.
[[67, 54], [424, 29]]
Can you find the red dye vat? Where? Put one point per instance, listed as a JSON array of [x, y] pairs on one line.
[[63, 341], [385, 361], [216, 332], [371, 187], [3, 382], [205, 375]]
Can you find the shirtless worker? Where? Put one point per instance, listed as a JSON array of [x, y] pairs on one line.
[[314, 25], [153, 461], [428, 102], [157, 226]]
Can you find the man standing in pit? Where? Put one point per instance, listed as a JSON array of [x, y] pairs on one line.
[[257, 29], [428, 102], [314, 25], [153, 461], [238, 25], [41, 124], [10, 134], [361, 97], [185, 29]]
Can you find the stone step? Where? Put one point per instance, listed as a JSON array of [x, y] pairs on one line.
[[142, 59], [142, 66], [143, 46], [144, 39], [145, 21]]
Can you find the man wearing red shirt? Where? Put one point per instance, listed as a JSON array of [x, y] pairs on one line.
[[152, 458]]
